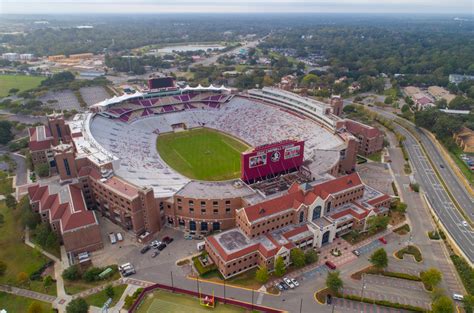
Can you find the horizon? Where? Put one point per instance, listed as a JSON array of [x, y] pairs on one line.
[[147, 7]]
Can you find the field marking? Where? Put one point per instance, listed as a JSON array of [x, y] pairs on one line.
[[182, 158]]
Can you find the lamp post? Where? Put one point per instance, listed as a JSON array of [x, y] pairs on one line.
[[224, 290], [172, 283], [362, 291], [252, 299]]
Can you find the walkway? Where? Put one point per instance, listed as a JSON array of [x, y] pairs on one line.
[[27, 293]]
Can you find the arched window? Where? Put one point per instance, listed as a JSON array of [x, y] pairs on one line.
[[192, 225], [316, 213], [301, 216]]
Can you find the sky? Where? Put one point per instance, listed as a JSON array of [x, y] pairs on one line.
[[461, 7]]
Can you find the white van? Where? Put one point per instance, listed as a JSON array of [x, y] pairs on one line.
[[125, 266], [458, 297], [119, 237], [201, 245], [113, 239]]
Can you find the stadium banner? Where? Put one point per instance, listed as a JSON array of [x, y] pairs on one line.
[[270, 160]]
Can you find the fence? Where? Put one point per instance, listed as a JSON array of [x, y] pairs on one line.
[[245, 305]]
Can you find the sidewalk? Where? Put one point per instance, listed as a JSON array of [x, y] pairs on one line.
[[27, 293]]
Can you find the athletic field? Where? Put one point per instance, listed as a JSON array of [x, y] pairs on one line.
[[164, 301], [202, 154], [21, 82]]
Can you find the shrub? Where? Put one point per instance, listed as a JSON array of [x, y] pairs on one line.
[[385, 303], [310, 256], [78, 305], [261, 275], [42, 170], [433, 235], [72, 273]]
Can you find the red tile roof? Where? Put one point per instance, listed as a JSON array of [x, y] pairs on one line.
[[77, 215]]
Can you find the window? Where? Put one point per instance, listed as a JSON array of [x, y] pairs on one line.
[[203, 226], [215, 203], [227, 202], [191, 210], [216, 211], [66, 166], [227, 210], [192, 225], [203, 204], [191, 202], [203, 211]]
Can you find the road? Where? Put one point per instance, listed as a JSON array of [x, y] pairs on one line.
[[437, 196]]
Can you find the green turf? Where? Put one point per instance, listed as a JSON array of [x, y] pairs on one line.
[[163, 301], [20, 82], [13, 303], [202, 154], [18, 256]]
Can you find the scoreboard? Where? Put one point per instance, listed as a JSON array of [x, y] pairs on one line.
[[160, 82], [271, 160]]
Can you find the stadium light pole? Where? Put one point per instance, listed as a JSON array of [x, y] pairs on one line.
[[172, 283], [252, 299], [301, 304], [224, 290], [197, 284]]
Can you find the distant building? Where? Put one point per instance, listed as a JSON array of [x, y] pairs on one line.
[[288, 82], [465, 139], [27, 56], [456, 78], [55, 58], [10, 56], [462, 112]]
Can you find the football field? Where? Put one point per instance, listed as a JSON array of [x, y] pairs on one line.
[[202, 154], [164, 301]]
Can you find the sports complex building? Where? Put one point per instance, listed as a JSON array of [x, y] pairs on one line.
[[132, 159]]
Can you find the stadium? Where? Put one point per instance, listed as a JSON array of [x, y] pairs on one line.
[[197, 144], [187, 158]]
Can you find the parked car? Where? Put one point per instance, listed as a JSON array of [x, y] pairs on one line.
[[279, 287], [129, 272], [145, 249], [464, 223], [161, 246], [113, 239], [167, 240], [289, 282], [125, 267], [295, 282], [155, 244], [458, 297], [331, 265], [356, 252], [188, 237], [155, 254], [441, 165], [119, 237], [383, 240], [284, 285]]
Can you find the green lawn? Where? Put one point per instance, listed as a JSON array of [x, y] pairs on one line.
[[20, 82], [163, 301], [98, 299], [18, 256], [73, 287], [202, 154], [12, 303]]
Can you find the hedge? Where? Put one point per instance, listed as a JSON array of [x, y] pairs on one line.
[[385, 303], [201, 269], [465, 271]]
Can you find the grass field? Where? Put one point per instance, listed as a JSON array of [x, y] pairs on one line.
[[18, 256], [13, 303], [163, 301], [98, 299], [20, 82], [202, 154]]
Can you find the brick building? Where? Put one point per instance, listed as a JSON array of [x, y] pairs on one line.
[[307, 216]]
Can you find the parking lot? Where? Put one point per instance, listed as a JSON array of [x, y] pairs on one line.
[[371, 246], [61, 100], [93, 95], [344, 305]]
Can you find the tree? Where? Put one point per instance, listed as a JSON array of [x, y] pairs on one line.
[[3, 268], [42, 170], [280, 268], [109, 291], [297, 257], [262, 274], [468, 303], [71, 273], [379, 258], [310, 256], [35, 307], [431, 277], [78, 305], [334, 282], [22, 278], [376, 223], [5, 132], [388, 100], [10, 201], [442, 305], [47, 282]]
